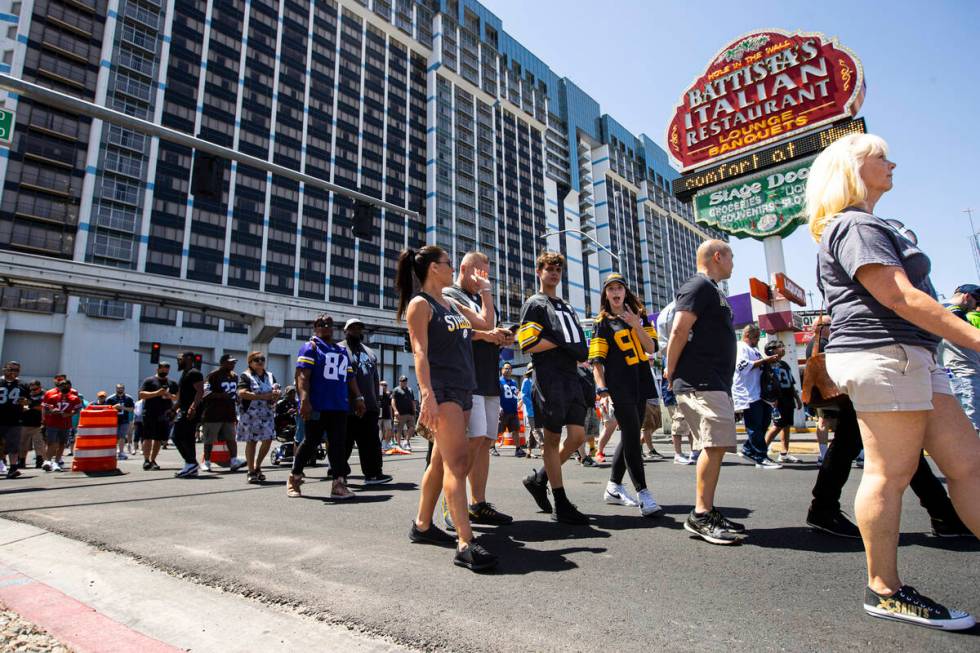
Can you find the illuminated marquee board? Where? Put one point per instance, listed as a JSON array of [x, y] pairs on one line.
[[687, 185], [762, 88]]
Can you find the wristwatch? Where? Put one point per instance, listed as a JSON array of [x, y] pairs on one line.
[[602, 390]]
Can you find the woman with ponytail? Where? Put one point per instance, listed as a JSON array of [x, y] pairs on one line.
[[886, 326], [441, 331]]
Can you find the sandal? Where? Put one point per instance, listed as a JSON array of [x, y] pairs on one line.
[[260, 476]]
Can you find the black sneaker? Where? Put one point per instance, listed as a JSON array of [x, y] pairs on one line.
[[13, 472], [431, 536], [447, 517], [485, 513], [147, 465], [950, 527], [154, 466], [38, 462], [519, 452], [834, 523], [475, 558], [708, 528], [730, 526], [569, 514], [588, 462], [378, 479], [908, 605], [538, 490]]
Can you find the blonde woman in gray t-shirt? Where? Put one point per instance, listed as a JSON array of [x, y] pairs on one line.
[[886, 324]]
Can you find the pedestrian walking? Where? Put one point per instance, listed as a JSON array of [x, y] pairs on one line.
[[701, 365], [887, 326], [405, 408], [158, 394], [125, 405], [622, 341], [679, 428], [508, 419], [387, 427], [363, 429], [441, 331], [326, 388], [747, 395], [190, 394], [550, 332], [30, 426], [13, 398], [219, 418], [787, 402], [258, 393], [58, 405], [534, 436], [963, 363]]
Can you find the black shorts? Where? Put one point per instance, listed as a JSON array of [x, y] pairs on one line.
[[509, 422], [786, 409], [156, 429], [558, 400], [456, 395]]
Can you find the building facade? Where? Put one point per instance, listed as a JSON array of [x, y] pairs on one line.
[[427, 104]]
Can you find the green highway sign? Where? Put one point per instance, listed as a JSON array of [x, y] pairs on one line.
[[757, 206], [6, 126]]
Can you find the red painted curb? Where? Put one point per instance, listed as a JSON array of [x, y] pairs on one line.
[[72, 622]]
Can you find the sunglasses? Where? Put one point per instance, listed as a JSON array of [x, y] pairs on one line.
[[258, 359], [900, 227]]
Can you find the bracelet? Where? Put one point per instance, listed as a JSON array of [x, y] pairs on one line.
[[359, 398], [602, 390]]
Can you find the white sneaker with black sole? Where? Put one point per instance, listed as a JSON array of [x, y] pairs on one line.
[[767, 463], [617, 495], [189, 470], [681, 459], [648, 507], [911, 607]]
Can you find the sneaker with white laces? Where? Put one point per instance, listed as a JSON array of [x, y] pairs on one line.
[[648, 507], [55, 467], [206, 466], [767, 463], [681, 459], [787, 458], [617, 495], [911, 607]]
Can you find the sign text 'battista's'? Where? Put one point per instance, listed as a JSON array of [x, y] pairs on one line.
[[764, 87]]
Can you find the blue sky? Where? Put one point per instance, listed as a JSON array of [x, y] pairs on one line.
[[635, 57]]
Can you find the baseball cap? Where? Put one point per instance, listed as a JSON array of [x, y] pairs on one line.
[[403, 378], [163, 364], [970, 289], [615, 277], [227, 358], [351, 322]]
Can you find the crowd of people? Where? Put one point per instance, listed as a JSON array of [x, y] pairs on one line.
[[890, 348]]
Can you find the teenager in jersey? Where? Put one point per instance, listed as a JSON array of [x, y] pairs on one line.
[[325, 383], [551, 333], [622, 342], [441, 334]]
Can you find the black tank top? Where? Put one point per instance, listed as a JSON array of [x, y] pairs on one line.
[[450, 347]]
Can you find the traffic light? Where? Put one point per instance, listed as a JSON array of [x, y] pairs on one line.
[[363, 221], [197, 361], [208, 176], [155, 353], [407, 346]]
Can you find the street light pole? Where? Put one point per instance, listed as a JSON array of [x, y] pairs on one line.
[[584, 235], [974, 244]]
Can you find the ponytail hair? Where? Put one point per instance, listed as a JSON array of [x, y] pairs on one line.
[[412, 270]]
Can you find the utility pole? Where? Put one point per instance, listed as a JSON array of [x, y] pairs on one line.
[[974, 244]]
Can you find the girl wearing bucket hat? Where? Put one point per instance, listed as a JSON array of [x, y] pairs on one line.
[[621, 344]]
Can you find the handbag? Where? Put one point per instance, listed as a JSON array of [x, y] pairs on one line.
[[819, 390]]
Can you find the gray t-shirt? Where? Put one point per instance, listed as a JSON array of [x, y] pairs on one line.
[[858, 321]]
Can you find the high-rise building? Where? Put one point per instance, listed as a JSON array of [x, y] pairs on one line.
[[426, 104]]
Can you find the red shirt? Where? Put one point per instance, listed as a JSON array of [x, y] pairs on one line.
[[68, 404]]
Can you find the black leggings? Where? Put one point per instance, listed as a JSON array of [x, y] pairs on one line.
[[184, 436], [334, 424], [836, 467], [629, 453]]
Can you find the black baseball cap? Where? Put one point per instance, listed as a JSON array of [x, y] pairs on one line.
[[971, 289], [227, 358]]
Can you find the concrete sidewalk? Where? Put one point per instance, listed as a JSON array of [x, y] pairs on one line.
[[97, 601]]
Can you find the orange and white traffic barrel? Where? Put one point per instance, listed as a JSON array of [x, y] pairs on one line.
[[95, 440]]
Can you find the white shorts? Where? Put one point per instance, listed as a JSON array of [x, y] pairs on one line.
[[890, 378], [483, 417]]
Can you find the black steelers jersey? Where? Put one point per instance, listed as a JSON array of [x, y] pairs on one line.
[[552, 319], [616, 346]]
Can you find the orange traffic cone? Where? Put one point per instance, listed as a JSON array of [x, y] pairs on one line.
[[219, 454], [95, 441]]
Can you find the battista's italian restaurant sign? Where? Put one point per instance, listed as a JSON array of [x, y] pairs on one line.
[[764, 87], [758, 206]]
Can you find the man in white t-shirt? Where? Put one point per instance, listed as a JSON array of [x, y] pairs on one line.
[[747, 396]]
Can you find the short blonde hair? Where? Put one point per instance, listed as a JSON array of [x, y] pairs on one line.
[[835, 180]]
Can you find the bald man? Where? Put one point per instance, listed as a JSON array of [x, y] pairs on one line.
[[700, 368]]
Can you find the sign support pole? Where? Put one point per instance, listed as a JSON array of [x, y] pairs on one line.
[[776, 263]]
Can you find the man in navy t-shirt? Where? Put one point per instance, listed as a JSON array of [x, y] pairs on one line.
[[325, 381], [508, 409]]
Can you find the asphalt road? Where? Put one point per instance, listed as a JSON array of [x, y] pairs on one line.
[[624, 583]]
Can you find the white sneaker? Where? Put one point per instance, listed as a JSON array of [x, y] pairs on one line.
[[3, 467], [787, 458], [189, 470], [46, 465], [123, 456], [648, 507], [767, 463], [236, 463], [681, 459], [206, 466], [55, 467], [617, 495]]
